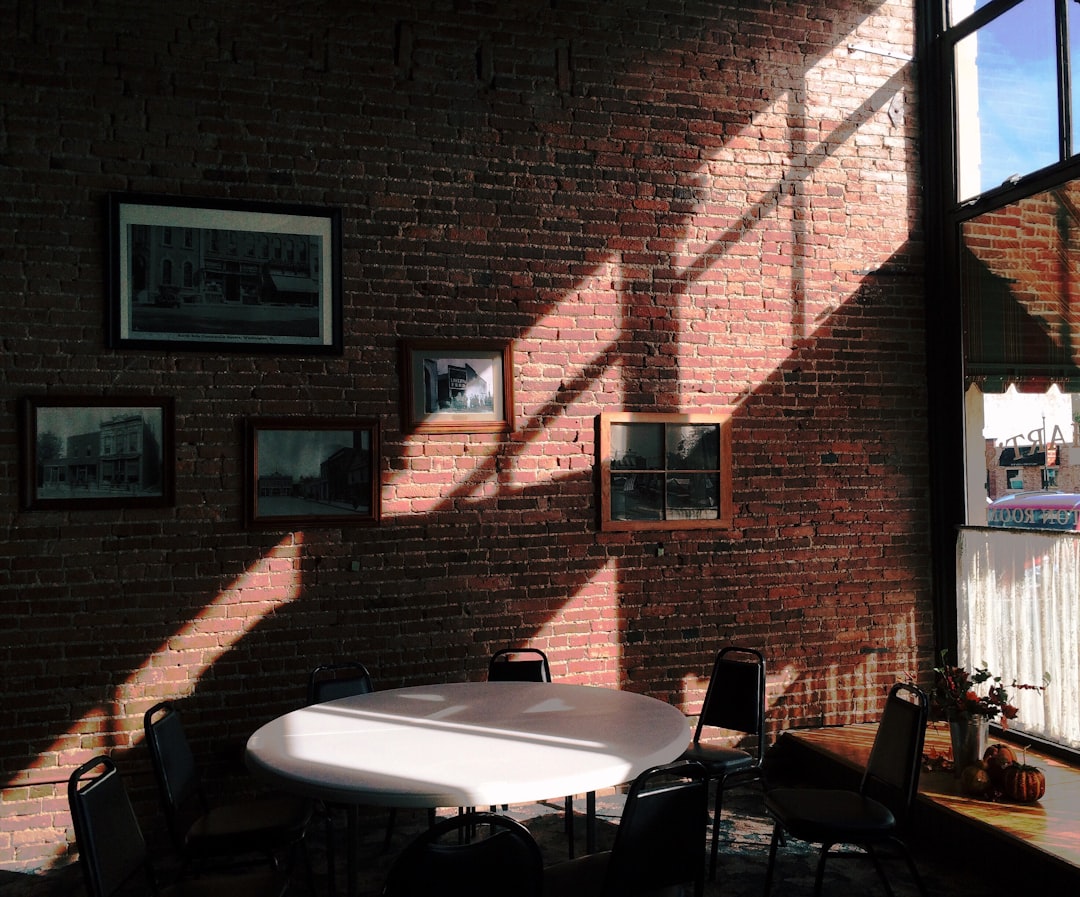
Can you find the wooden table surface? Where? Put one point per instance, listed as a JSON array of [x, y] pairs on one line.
[[1050, 825]]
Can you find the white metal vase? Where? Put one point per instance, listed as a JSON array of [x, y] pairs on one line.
[[969, 738]]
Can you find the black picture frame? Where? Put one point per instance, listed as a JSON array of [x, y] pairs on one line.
[[457, 386], [235, 276], [97, 452], [312, 471]]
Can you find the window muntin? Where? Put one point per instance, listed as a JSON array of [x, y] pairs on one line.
[[961, 9], [665, 471]]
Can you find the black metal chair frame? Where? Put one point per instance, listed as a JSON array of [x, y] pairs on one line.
[[537, 669], [330, 681], [735, 702], [658, 844], [112, 848], [507, 861], [873, 815], [273, 824]]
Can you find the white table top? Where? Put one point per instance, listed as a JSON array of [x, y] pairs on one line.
[[467, 744]]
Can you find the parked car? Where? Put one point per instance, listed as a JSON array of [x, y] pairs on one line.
[[1036, 510]]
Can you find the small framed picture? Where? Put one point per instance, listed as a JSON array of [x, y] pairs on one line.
[[312, 472], [93, 452], [457, 386], [222, 276]]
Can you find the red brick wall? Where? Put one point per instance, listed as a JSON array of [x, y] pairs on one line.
[[665, 205]]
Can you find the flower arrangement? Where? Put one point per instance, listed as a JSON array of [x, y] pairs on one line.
[[956, 694]]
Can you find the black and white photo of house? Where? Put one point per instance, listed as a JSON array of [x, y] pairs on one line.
[[99, 452], [458, 385]]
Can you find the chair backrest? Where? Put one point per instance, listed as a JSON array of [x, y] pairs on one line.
[[531, 668], [111, 845], [174, 768], [892, 772], [469, 855], [338, 680], [735, 698], [660, 839]]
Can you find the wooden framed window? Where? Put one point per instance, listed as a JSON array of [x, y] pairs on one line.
[[665, 471]]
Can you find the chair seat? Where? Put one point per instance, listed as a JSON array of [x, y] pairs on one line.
[[717, 759], [250, 825], [584, 877], [260, 883], [826, 815]]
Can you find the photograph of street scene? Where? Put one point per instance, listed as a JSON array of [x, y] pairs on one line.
[[191, 283], [315, 473]]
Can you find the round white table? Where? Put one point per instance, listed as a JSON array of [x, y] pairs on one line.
[[466, 744]]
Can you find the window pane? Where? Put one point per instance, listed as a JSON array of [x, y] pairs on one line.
[[637, 446], [693, 496], [693, 447], [1006, 96], [1020, 268], [1017, 608], [637, 496], [1074, 61]]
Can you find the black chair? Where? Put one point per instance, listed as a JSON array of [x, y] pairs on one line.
[[203, 833], [734, 703], [470, 855], [531, 665], [328, 682], [874, 814], [331, 681], [519, 665], [113, 852], [658, 847]]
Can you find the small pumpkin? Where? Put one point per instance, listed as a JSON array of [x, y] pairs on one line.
[[1023, 783], [975, 779], [998, 757]]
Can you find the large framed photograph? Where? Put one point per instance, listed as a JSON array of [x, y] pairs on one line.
[[457, 386], [90, 453], [222, 276], [312, 471]]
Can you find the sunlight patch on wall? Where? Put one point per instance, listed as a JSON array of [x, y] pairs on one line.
[[173, 671]]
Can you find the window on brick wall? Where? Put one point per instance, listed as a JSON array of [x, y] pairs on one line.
[[1010, 206], [665, 471]]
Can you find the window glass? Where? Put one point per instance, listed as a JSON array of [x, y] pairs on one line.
[[637, 446], [693, 447], [961, 9], [1073, 13], [665, 471], [1006, 97]]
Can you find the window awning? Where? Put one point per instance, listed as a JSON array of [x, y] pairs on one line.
[[290, 283]]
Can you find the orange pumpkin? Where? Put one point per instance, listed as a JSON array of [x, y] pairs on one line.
[[1023, 783], [998, 757]]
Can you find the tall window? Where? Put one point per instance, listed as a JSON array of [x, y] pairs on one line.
[[1010, 203]]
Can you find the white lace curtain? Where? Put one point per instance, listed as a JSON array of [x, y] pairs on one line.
[[1018, 613]]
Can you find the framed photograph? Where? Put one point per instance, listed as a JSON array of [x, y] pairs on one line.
[[222, 276], [665, 471], [311, 472], [457, 386], [90, 453]]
